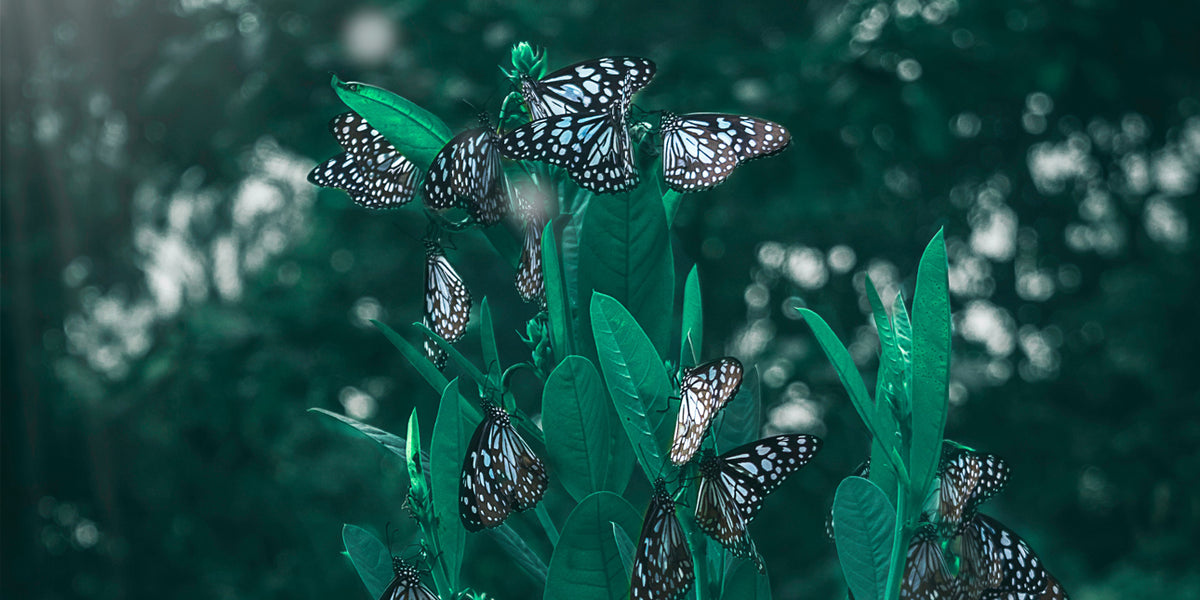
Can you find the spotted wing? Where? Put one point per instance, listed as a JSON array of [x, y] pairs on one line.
[[530, 284], [447, 301], [719, 514], [406, 585], [370, 170], [467, 172], [768, 462], [1053, 591], [700, 150], [704, 391], [966, 481], [662, 564], [996, 559], [432, 351], [587, 86], [593, 147], [500, 475], [926, 576]]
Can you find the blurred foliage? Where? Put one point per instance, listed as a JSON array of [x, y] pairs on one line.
[[175, 294]]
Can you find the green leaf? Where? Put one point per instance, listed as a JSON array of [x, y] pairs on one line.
[[456, 421], [692, 328], [635, 376], [415, 132], [505, 241], [415, 357], [886, 380], [558, 305], [625, 548], [743, 582], [487, 338], [370, 558], [390, 441], [930, 366], [741, 419], [863, 528], [519, 551], [587, 563], [413, 453], [625, 252], [671, 200], [456, 357], [575, 419]]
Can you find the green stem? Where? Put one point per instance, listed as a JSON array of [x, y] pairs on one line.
[[441, 574], [899, 545], [547, 524], [696, 545]]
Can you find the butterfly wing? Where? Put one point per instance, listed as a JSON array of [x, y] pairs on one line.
[[996, 558], [966, 481], [593, 147], [926, 576], [523, 474], [467, 171], [530, 284], [662, 564], [719, 514], [371, 170], [587, 86], [432, 351], [703, 391], [768, 462], [406, 585], [500, 474], [700, 150], [447, 301], [1053, 591]]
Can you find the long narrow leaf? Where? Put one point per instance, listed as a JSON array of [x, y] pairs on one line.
[[625, 547], [456, 357], [487, 339], [451, 432], [887, 379], [430, 373], [931, 367], [692, 328], [519, 551], [557, 303], [392, 442]]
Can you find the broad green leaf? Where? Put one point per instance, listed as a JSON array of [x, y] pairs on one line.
[[519, 551], [575, 419], [886, 380], [743, 582], [430, 373], [739, 422], [845, 368], [864, 525], [456, 421], [901, 373], [370, 558], [586, 564], [625, 252], [635, 376], [625, 548], [487, 338], [692, 328], [415, 132], [930, 366], [390, 441], [558, 306]]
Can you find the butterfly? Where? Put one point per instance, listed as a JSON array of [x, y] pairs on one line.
[[703, 391], [594, 147], [997, 563], [406, 585], [733, 486], [700, 150], [967, 479], [500, 473], [447, 302], [467, 172], [926, 576], [530, 284], [662, 565], [370, 169], [1052, 591], [585, 86]]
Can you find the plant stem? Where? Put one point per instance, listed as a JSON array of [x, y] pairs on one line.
[[899, 545], [441, 574], [696, 545], [547, 524]]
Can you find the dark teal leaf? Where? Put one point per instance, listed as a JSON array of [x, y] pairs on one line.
[[558, 306], [516, 549], [456, 421], [390, 441], [416, 467], [415, 132], [487, 339], [370, 558], [625, 253], [692, 328], [864, 525], [625, 548], [587, 563], [575, 418], [930, 367], [430, 373], [671, 200], [886, 381], [743, 582], [456, 357], [741, 419], [635, 376]]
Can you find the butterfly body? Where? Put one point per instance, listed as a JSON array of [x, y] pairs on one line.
[[447, 302], [966, 480], [662, 565], [370, 170], [701, 150], [500, 473], [406, 584], [467, 172], [703, 391]]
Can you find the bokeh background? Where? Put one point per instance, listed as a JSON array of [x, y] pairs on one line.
[[175, 294]]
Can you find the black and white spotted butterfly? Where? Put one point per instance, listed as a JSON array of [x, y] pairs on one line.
[[447, 302], [967, 479], [700, 150], [926, 575], [370, 170], [587, 86], [467, 172], [593, 147], [500, 473], [406, 585], [1052, 591], [662, 564], [733, 486], [703, 391], [530, 283], [997, 563]]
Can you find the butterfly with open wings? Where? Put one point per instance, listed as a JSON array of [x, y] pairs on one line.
[[370, 170], [700, 150], [586, 86]]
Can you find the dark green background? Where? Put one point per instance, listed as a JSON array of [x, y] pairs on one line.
[[175, 295]]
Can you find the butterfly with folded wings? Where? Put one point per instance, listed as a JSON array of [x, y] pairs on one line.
[[500, 473], [447, 302]]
